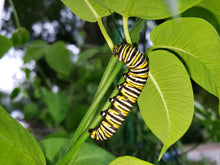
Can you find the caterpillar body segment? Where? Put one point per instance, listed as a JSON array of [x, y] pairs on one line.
[[129, 91]]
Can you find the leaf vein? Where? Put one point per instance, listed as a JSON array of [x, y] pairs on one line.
[[162, 97]]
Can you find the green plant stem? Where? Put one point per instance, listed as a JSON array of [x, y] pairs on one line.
[[106, 74], [107, 104], [101, 26], [44, 77], [105, 34], [126, 30], [73, 152], [15, 14]]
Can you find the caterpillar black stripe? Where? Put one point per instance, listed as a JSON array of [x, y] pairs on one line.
[[129, 91]]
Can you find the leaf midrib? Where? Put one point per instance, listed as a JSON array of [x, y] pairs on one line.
[[175, 48], [186, 52], [162, 97]]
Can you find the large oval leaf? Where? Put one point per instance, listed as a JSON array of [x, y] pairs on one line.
[[198, 45], [17, 145], [82, 10], [166, 102], [129, 160], [147, 9]]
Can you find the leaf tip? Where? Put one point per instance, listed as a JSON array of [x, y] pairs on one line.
[[162, 152]]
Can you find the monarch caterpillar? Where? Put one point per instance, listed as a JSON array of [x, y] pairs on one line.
[[129, 91]]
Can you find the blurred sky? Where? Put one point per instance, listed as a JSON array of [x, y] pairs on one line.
[[10, 70], [1, 10], [9, 64]]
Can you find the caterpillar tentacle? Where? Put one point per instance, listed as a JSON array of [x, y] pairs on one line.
[[129, 91]]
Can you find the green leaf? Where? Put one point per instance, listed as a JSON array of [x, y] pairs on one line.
[[17, 145], [58, 105], [128, 160], [93, 155], [20, 37], [5, 45], [54, 148], [14, 93], [30, 110], [203, 13], [81, 9], [213, 5], [166, 102], [198, 45], [147, 9], [58, 57], [27, 72], [136, 30], [35, 51]]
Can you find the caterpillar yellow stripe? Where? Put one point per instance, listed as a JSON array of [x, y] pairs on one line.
[[129, 91]]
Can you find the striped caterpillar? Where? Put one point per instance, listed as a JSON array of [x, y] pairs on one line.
[[129, 91]]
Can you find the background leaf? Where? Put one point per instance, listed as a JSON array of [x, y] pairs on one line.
[[81, 9], [136, 30], [5, 45], [58, 105], [17, 144], [30, 111], [146, 9], [128, 160], [198, 45], [35, 51], [166, 102], [54, 148], [58, 57], [20, 37], [213, 5], [205, 14], [14, 93], [93, 155]]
